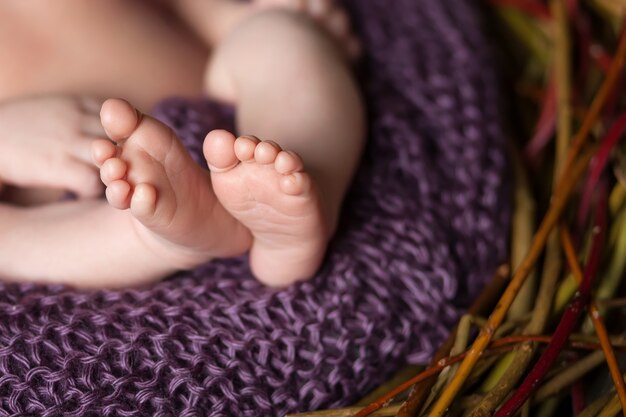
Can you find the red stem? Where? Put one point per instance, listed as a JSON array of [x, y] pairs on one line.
[[499, 345], [569, 318], [546, 124], [600, 57], [582, 29], [577, 391], [598, 163]]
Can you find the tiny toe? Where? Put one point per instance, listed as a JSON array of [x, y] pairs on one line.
[[119, 118], [219, 150], [266, 152], [112, 169], [143, 202], [288, 162], [245, 146], [295, 184], [118, 193], [101, 150]]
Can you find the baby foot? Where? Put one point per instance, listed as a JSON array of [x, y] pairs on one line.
[[328, 14], [170, 197], [267, 190]]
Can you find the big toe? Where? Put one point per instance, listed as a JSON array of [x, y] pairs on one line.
[[119, 118], [219, 150], [101, 151]]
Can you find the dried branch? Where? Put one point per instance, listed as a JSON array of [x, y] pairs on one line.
[[554, 212], [522, 228], [598, 102], [481, 305], [595, 407], [558, 202], [598, 323], [568, 320], [569, 375]]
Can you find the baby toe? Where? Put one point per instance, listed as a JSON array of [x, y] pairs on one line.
[[143, 202], [112, 169], [288, 162], [266, 152], [245, 146], [101, 150], [118, 193], [119, 118], [295, 184], [219, 150]]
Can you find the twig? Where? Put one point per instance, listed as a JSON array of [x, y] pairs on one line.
[[595, 407], [524, 353], [598, 102], [460, 344], [403, 375], [569, 375], [481, 305], [568, 320], [576, 342], [497, 346], [522, 227], [612, 303], [548, 408], [570, 175], [562, 76], [598, 323], [518, 361], [577, 392], [546, 123], [598, 164], [611, 409], [554, 212], [526, 30]]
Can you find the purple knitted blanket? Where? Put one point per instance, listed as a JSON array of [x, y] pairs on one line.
[[423, 228]]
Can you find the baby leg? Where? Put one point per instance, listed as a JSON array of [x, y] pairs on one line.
[[213, 20], [83, 243], [290, 85], [161, 215]]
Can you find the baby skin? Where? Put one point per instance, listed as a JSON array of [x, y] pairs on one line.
[[175, 205], [275, 191]]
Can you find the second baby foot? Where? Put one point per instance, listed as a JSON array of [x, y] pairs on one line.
[[267, 189], [170, 197]]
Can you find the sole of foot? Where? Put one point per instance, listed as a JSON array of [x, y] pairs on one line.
[[268, 191], [147, 170]]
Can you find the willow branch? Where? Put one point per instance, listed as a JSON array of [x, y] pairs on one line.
[[568, 320], [598, 323], [485, 301]]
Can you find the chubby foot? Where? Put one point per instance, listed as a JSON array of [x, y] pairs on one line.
[[268, 191], [170, 198]]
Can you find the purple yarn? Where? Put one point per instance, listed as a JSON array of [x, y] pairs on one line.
[[423, 228]]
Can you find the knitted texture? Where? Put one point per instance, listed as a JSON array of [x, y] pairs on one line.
[[423, 227]]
